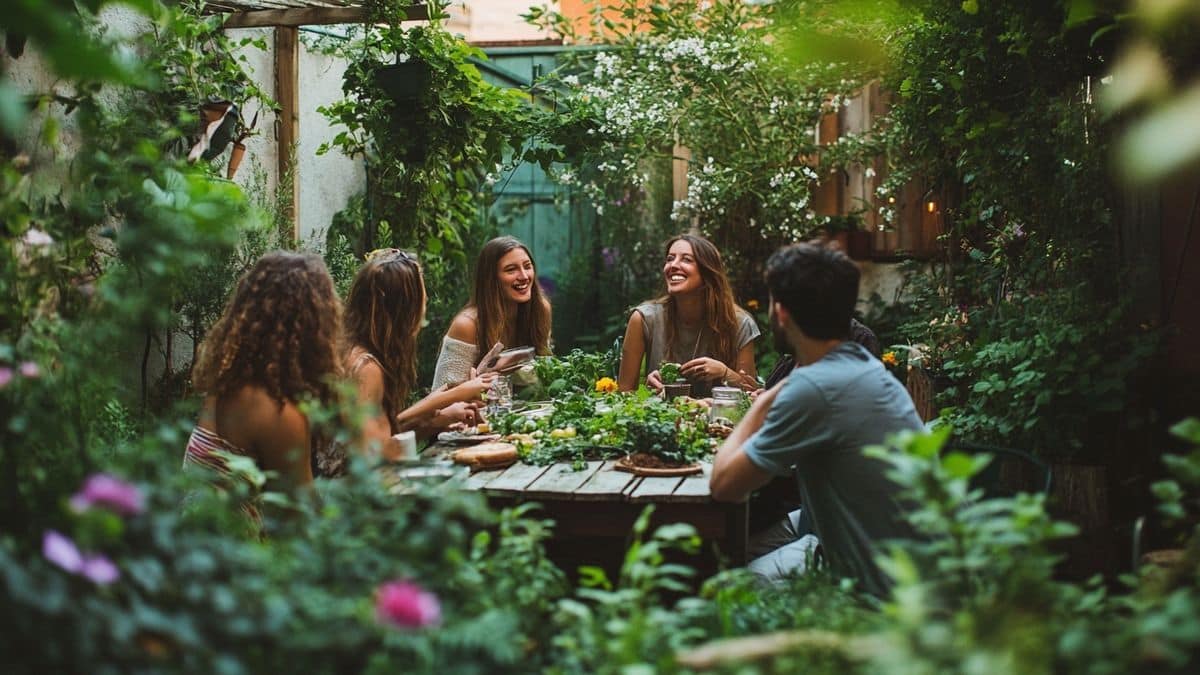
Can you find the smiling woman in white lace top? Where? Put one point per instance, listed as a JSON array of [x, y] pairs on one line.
[[507, 305]]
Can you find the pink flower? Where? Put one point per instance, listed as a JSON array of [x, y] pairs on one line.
[[61, 551], [6, 376], [110, 492], [407, 605], [29, 369]]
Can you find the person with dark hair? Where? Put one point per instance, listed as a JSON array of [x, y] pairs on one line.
[[385, 309], [274, 346], [696, 324], [507, 306], [859, 332], [816, 422]]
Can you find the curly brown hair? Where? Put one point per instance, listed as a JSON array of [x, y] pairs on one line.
[[384, 311], [280, 331], [720, 310], [530, 326]]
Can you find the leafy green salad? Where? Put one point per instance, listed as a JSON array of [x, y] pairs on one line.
[[583, 427]]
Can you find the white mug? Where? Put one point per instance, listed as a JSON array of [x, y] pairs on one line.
[[408, 444]]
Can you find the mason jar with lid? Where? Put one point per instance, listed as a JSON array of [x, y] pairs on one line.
[[727, 405]]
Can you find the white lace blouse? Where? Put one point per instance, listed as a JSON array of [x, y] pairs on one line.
[[454, 363]]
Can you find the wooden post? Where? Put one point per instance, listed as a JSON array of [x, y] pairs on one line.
[[287, 93]]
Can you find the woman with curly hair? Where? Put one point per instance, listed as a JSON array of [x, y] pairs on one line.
[[274, 346], [696, 324], [385, 309], [507, 306]]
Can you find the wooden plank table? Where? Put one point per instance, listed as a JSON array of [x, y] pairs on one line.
[[601, 502]]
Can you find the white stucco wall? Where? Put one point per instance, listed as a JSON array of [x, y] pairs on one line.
[[326, 182]]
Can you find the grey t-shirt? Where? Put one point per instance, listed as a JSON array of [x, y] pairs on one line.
[[818, 424], [690, 342]]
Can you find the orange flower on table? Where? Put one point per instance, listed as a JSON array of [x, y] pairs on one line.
[[889, 358], [752, 304], [606, 385]]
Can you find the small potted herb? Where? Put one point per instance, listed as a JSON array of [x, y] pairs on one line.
[[673, 382]]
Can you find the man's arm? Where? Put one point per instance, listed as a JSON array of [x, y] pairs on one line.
[[734, 476]]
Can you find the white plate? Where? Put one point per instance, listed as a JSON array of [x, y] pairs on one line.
[[467, 437]]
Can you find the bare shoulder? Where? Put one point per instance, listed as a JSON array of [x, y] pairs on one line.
[[250, 416], [259, 409], [464, 326]]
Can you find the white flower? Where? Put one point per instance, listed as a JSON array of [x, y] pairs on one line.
[[870, 172], [571, 81], [37, 239], [402, 58]]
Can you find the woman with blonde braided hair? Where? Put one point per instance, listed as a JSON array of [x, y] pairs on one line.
[[385, 309], [275, 345]]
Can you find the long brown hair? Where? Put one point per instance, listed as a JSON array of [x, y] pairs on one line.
[[279, 331], [384, 310], [720, 311], [492, 317]]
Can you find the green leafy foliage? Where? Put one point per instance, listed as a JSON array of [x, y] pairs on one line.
[[624, 628], [670, 372], [585, 426], [707, 77], [194, 595], [431, 130], [577, 372]]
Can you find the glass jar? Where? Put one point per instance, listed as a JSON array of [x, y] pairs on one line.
[[499, 396], [727, 406]]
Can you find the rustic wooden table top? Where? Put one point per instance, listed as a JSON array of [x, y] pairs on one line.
[[598, 481]]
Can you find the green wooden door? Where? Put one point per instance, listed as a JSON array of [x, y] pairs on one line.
[[551, 219]]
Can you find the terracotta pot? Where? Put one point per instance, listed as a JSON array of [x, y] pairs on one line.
[[235, 159]]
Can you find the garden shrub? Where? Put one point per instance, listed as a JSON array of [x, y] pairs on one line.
[[704, 76], [194, 595], [428, 153]]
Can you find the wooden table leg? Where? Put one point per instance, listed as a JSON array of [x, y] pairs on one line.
[[737, 532]]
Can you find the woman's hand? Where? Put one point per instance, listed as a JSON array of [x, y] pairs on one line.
[[705, 369], [474, 388], [463, 413], [654, 380]]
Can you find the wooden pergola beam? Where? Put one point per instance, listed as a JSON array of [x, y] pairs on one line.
[[287, 94], [310, 16]]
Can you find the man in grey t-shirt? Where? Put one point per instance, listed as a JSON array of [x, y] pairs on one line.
[[817, 420]]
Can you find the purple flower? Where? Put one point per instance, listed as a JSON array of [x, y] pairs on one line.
[[110, 492], [99, 570], [29, 369], [61, 551], [609, 256], [407, 605], [6, 376]]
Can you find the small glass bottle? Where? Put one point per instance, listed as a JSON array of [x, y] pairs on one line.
[[726, 406]]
